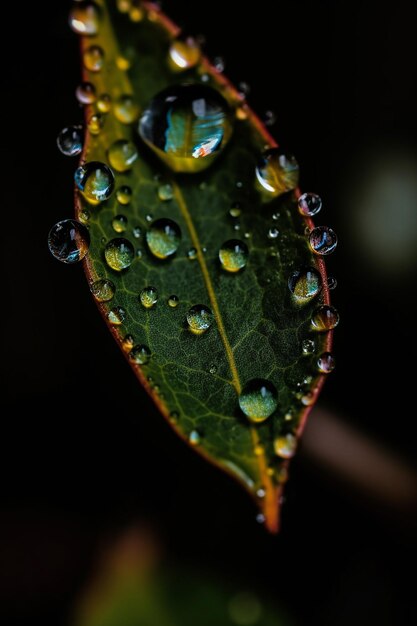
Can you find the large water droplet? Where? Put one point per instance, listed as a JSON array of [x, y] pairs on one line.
[[116, 315], [122, 154], [124, 194], [95, 180], [86, 93], [258, 400], [119, 223], [325, 318], [148, 297], [163, 238], [187, 126], [285, 446], [233, 255], [322, 240], [103, 290], [93, 58], [326, 363], [119, 254], [84, 18], [140, 354], [277, 172], [199, 318], [126, 110], [184, 53], [68, 241], [70, 140], [304, 284], [309, 204]]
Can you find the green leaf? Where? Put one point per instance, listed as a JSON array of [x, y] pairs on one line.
[[258, 325]]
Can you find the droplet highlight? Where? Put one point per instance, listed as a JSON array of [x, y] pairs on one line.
[[119, 254], [163, 238], [325, 318], [86, 93], [258, 400], [322, 240], [140, 354], [184, 53], [233, 255], [285, 446], [148, 297], [309, 204], [122, 154], [326, 363], [84, 18], [199, 319], [116, 315], [95, 180], [103, 290], [277, 172]]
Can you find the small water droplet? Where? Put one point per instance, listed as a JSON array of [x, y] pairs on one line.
[[199, 318], [123, 63], [323, 240], [309, 204], [163, 238], [70, 140], [126, 110], [165, 192], [194, 438], [243, 89], [149, 217], [213, 368], [136, 12], [119, 223], [331, 282], [119, 254], [84, 216], [95, 180], [124, 194], [116, 315], [260, 518], [326, 363], [236, 226], [325, 318], [219, 64], [68, 241], [122, 154], [275, 216], [205, 78], [304, 284], [139, 253], [288, 416], [187, 126], [86, 93], [184, 53], [285, 446], [247, 235], [192, 254], [84, 18], [95, 123], [140, 354], [277, 172], [258, 399], [269, 118], [136, 232], [173, 416], [308, 346], [258, 450], [273, 233], [128, 343], [242, 112], [239, 184], [261, 493], [103, 290], [233, 255], [173, 301], [93, 58], [235, 210], [308, 398], [104, 103], [148, 297]]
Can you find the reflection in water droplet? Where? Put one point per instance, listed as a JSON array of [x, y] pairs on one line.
[[104, 103], [258, 399], [308, 398], [149, 217], [199, 319], [119, 254], [68, 241], [187, 126], [128, 343], [260, 518], [95, 180], [70, 140], [304, 285], [308, 346], [273, 233], [219, 64], [122, 154], [269, 118], [103, 290], [116, 315], [163, 238], [119, 223], [194, 438], [261, 493], [235, 210], [326, 363], [233, 255], [165, 192], [148, 297], [123, 63], [95, 123], [258, 450], [309, 204], [325, 318], [124, 194], [84, 18], [331, 282], [137, 232], [173, 301], [213, 368], [84, 216], [192, 254], [323, 240], [184, 53], [140, 354], [285, 446], [126, 110], [93, 58], [86, 93], [277, 172]]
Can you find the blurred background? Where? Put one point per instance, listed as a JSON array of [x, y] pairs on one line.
[[106, 517]]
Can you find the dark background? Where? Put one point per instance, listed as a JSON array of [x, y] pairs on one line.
[[83, 451]]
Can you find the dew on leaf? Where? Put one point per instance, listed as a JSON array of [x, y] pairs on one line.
[[85, 17], [128, 343], [277, 172], [192, 254], [103, 290], [124, 194], [322, 240], [326, 363], [68, 241], [309, 204], [173, 301], [95, 180], [140, 354], [325, 318], [93, 58], [86, 93], [307, 346], [70, 140], [194, 438], [126, 110], [116, 315], [199, 319], [304, 284], [233, 255], [95, 123], [148, 297], [122, 154], [163, 238], [184, 53], [137, 232], [119, 223], [285, 446], [165, 192], [258, 399], [273, 233], [235, 210], [104, 103], [119, 254]]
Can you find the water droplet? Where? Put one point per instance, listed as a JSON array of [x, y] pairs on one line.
[[163, 238], [173, 416], [288, 416], [236, 226], [269, 118], [165, 192], [304, 284], [104, 103], [235, 210], [119, 254], [258, 399], [187, 126], [93, 58], [122, 154], [136, 232], [285, 446], [149, 217], [184, 53], [148, 297], [70, 140], [242, 112], [119, 223], [140, 354], [261, 493], [84, 216], [103, 290], [239, 184], [192, 254], [123, 63], [68, 241], [86, 93], [331, 282], [308, 346], [95, 123], [308, 398], [323, 240], [243, 89], [128, 343], [205, 78], [219, 64], [194, 438], [136, 12], [325, 318], [124, 194], [326, 363], [173, 301], [95, 180], [126, 110], [258, 450], [273, 233], [84, 18], [277, 172], [233, 255], [309, 204], [260, 518], [139, 253], [213, 368], [199, 318], [116, 315]]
